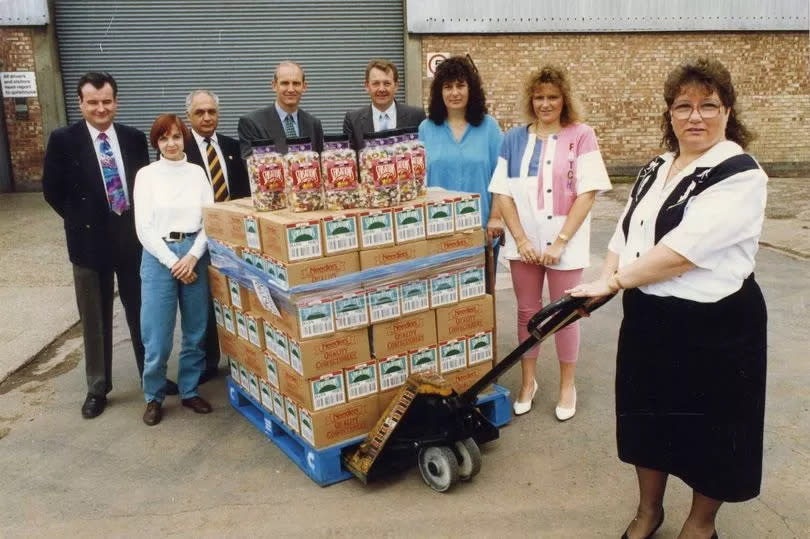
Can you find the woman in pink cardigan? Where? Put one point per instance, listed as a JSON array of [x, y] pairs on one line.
[[545, 183]]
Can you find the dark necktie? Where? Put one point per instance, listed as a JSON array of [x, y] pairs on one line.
[[215, 170], [289, 127]]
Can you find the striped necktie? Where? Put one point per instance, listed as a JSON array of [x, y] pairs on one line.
[[215, 170], [112, 179], [289, 126]]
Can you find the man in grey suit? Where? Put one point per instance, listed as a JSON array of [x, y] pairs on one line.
[[282, 120], [384, 112]]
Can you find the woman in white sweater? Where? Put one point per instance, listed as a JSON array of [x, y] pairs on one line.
[[169, 196]]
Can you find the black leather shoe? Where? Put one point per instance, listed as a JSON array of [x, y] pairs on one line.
[[171, 388], [660, 521], [208, 374], [153, 413], [198, 404], [93, 406]]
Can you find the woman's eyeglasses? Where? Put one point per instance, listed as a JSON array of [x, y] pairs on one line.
[[706, 110]]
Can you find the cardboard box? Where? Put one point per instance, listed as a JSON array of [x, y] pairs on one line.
[[424, 359], [351, 310], [456, 242], [340, 231], [480, 349], [290, 237], [452, 355], [312, 319], [239, 297], [439, 217], [319, 269], [252, 358], [278, 404], [463, 379], [407, 333], [376, 228], [315, 357], [241, 323], [472, 282], [267, 396], [467, 210], [228, 343], [254, 330], [253, 386], [271, 369], [409, 222], [443, 289], [229, 323], [466, 318], [276, 341], [392, 255], [393, 370], [244, 380], [361, 380], [414, 296], [234, 365], [384, 398], [316, 393], [224, 221], [383, 303], [218, 313], [291, 412], [218, 284], [340, 423]]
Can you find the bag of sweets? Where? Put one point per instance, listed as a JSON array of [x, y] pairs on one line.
[[339, 174], [378, 172], [302, 171], [408, 188], [417, 153], [266, 173]]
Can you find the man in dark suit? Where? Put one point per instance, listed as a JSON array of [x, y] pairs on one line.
[[384, 112], [211, 150], [283, 119], [88, 178]]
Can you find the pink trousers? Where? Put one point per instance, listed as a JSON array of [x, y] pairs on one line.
[[527, 280]]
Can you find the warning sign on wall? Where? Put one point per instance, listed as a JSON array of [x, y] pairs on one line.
[[433, 61], [18, 83]]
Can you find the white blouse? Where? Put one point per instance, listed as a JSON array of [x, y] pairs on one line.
[[169, 196], [719, 232]]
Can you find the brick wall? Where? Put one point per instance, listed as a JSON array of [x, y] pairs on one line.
[[24, 136], [618, 79]]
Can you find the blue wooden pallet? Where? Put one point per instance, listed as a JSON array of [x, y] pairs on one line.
[[324, 466]]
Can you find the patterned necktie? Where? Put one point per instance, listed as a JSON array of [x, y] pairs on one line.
[[384, 125], [215, 170], [289, 126], [112, 179]]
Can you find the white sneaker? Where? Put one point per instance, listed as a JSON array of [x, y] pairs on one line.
[[564, 414], [521, 408]]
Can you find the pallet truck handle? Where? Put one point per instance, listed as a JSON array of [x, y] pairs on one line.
[[548, 320]]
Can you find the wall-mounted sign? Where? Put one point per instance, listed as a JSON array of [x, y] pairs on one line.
[[19, 83], [433, 61]]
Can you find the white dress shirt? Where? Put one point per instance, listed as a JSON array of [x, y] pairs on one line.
[[719, 232], [169, 196], [203, 146], [378, 120], [112, 138]]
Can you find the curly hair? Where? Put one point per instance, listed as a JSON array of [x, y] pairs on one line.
[[712, 75], [457, 68], [557, 76]]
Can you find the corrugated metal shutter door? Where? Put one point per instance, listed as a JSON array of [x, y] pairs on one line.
[[159, 51]]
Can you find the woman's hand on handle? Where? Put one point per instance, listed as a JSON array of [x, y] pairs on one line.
[[494, 229], [595, 289]]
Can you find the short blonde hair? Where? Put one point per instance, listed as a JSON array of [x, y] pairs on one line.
[[557, 76]]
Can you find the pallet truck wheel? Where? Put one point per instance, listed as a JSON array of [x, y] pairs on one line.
[[469, 462], [439, 467]]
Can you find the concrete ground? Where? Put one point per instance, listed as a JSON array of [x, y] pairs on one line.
[[216, 475]]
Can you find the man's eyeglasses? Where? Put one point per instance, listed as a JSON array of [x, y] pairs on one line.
[[706, 110]]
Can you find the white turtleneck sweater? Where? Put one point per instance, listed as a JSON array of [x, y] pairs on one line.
[[169, 196]]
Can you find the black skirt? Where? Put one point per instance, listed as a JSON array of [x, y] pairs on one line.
[[690, 389]]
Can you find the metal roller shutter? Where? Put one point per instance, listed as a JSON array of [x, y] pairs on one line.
[[159, 51]]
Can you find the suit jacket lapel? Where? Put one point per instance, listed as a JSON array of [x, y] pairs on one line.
[[193, 153], [367, 121], [402, 117]]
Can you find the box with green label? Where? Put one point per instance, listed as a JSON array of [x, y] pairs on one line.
[[480, 348], [414, 296], [472, 282], [288, 237], [276, 342], [218, 285], [267, 396], [467, 210], [409, 223], [289, 275], [218, 312], [315, 357], [383, 303], [340, 232], [361, 380], [393, 371], [439, 217], [271, 369], [238, 294], [339, 423], [234, 365], [351, 310], [424, 359], [316, 393], [452, 355], [224, 221], [443, 289], [241, 323], [228, 321], [376, 228], [291, 413], [254, 330], [278, 404], [253, 386]]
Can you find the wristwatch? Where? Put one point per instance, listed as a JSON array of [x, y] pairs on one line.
[[563, 237]]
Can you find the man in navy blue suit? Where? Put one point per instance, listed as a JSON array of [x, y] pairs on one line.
[[88, 179]]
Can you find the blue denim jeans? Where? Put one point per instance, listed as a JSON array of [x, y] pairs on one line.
[[160, 296]]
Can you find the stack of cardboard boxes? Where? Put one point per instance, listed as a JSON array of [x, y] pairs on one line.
[[328, 362]]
